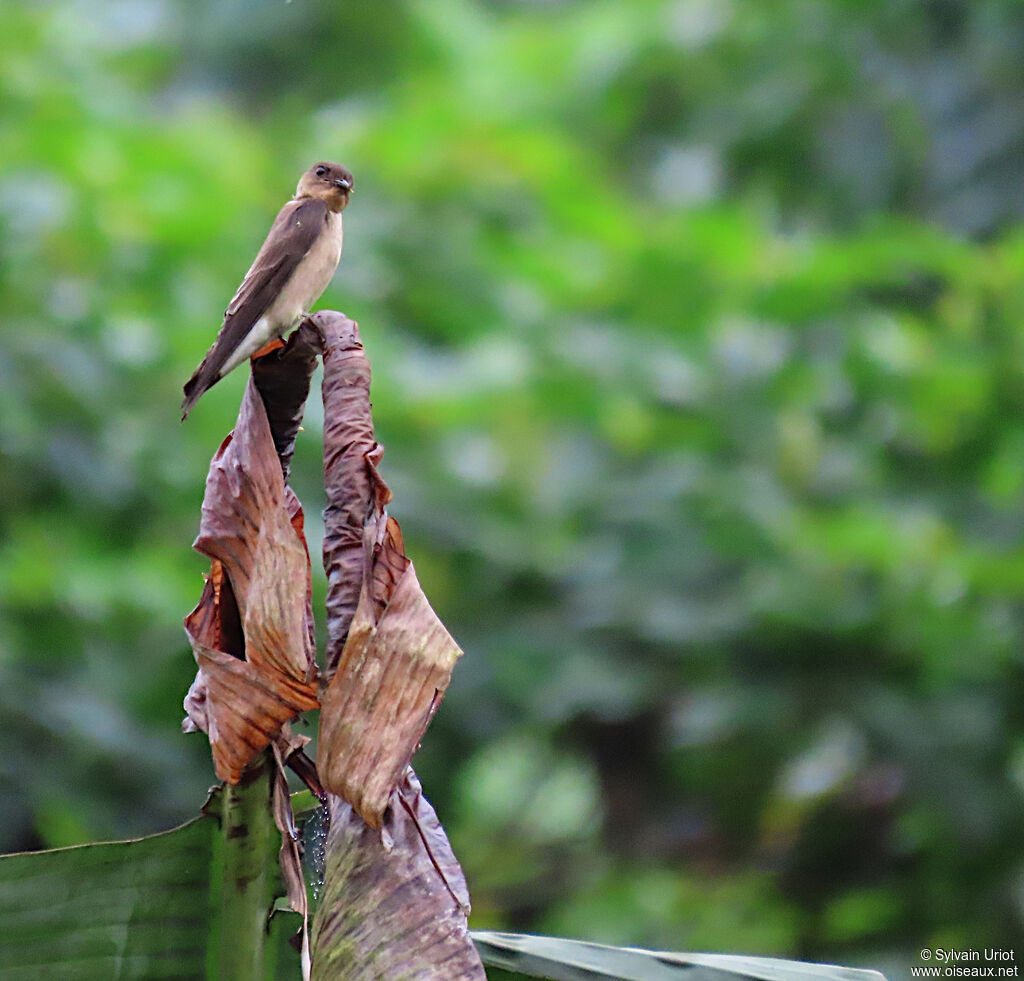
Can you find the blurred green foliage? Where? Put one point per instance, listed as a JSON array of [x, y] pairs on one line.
[[696, 330]]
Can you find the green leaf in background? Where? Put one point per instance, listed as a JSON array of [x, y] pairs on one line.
[[574, 960], [159, 907], [117, 910]]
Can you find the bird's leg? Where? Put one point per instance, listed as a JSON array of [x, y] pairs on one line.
[[269, 348]]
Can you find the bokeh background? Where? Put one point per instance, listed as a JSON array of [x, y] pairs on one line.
[[698, 338]]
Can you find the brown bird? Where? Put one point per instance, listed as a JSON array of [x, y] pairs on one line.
[[289, 273]]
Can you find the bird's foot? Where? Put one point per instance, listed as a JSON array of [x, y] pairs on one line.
[[269, 348]]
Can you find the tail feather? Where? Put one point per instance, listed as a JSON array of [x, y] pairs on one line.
[[203, 379], [231, 348]]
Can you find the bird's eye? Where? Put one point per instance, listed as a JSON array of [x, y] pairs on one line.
[[320, 171]]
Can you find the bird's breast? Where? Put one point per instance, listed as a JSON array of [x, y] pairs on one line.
[[311, 276]]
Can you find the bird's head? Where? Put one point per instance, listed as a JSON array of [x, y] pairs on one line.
[[329, 181]]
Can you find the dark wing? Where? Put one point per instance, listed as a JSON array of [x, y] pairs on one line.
[[291, 236]]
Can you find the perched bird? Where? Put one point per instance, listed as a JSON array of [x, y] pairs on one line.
[[289, 273]]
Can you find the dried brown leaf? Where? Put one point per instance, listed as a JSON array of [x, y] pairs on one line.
[[282, 379], [394, 670], [394, 902], [292, 746], [252, 631], [214, 623], [389, 658], [298, 522], [353, 486], [247, 525], [238, 707]]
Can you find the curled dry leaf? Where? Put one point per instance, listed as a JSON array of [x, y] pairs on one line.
[[389, 657], [282, 379], [237, 707], [256, 604], [246, 525], [397, 909], [354, 488], [213, 624], [394, 670]]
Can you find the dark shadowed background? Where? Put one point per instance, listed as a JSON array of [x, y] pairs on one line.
[[698, 338]]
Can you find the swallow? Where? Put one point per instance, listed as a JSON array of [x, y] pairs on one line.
[[290, 271]]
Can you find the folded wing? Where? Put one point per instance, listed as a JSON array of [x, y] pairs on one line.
[[291, 236]]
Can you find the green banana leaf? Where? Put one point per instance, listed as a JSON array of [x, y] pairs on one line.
[[575, 960], [143, 910], [137, 910]]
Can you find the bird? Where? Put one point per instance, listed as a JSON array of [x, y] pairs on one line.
[[290, 271]]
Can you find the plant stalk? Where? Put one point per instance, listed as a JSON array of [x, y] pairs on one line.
[[245, 877]]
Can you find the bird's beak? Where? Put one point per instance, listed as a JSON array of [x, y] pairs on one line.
[[343, 183]]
